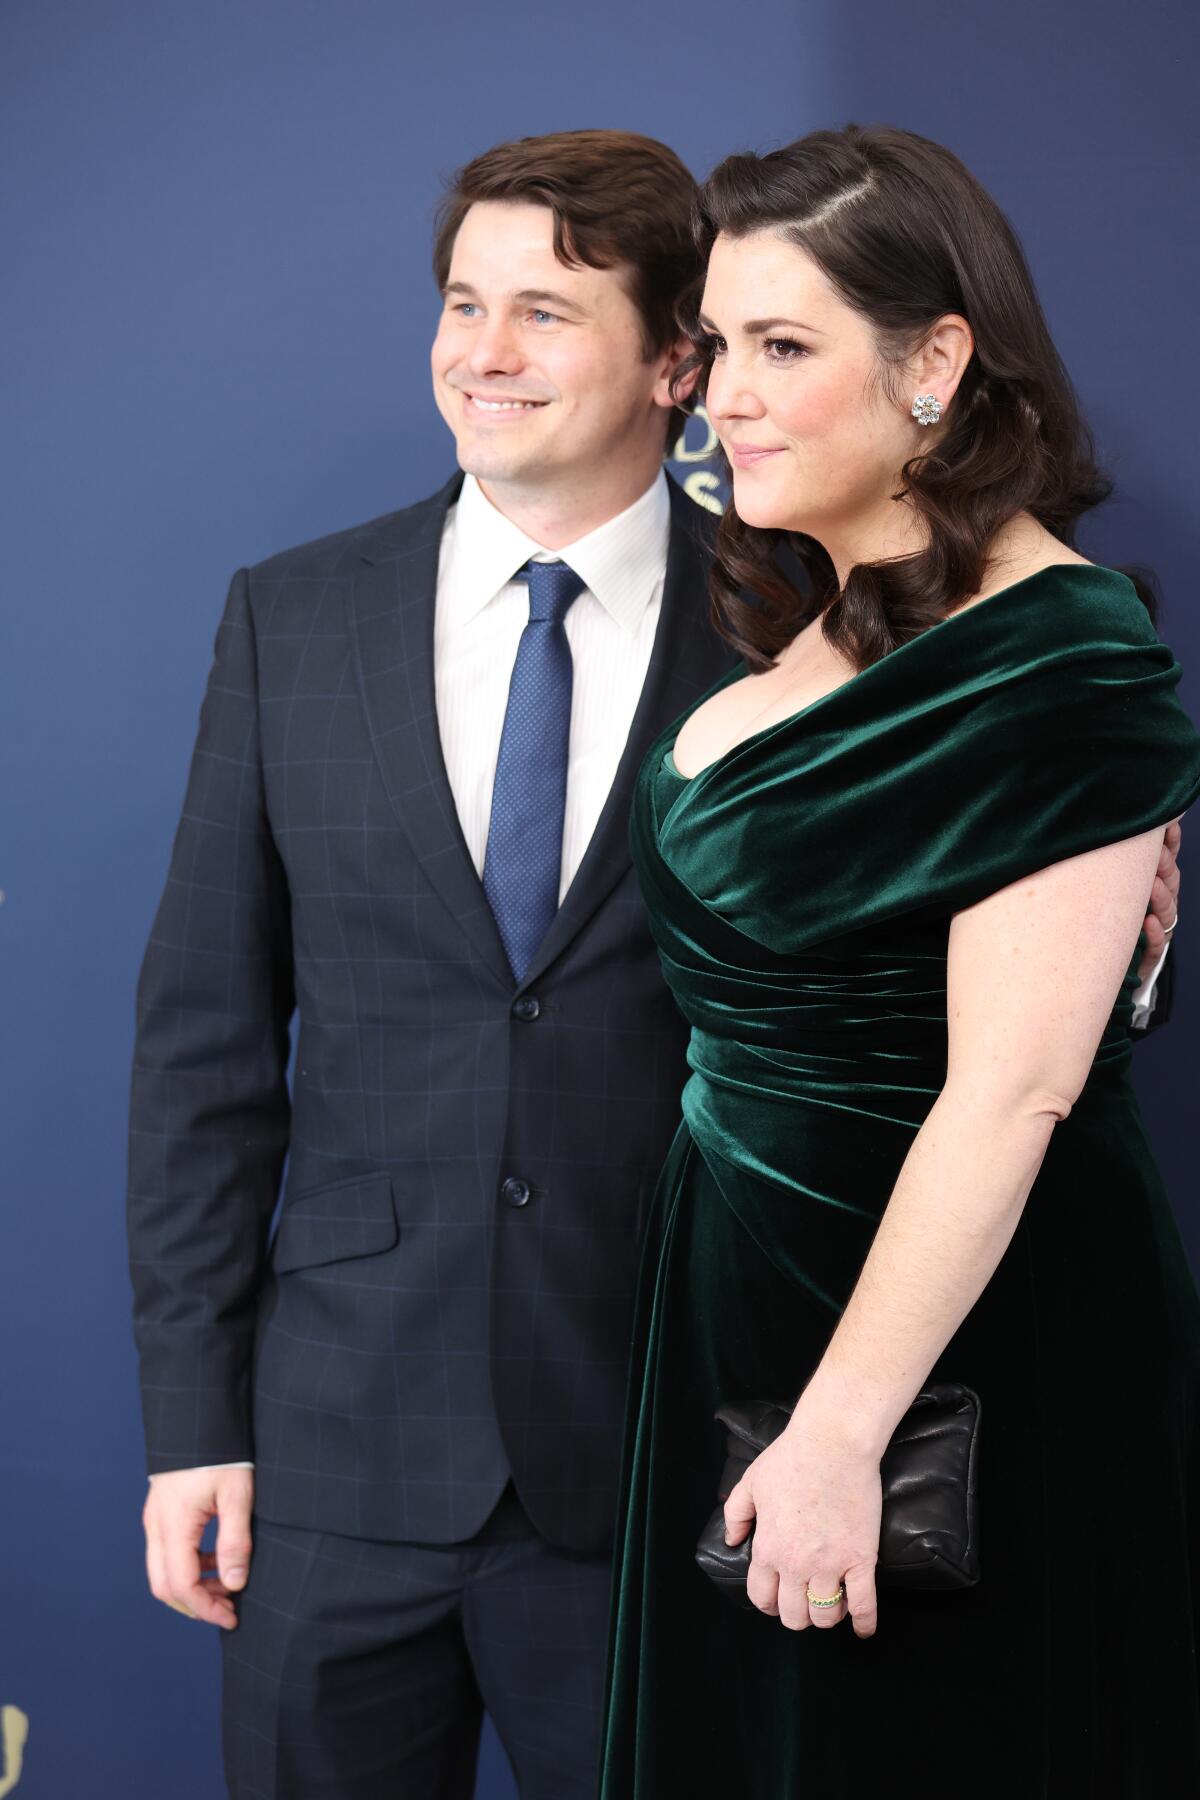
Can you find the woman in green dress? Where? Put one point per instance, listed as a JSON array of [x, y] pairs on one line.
[[896, 866]]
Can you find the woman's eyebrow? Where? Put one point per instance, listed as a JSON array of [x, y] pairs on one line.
[[755, 327]]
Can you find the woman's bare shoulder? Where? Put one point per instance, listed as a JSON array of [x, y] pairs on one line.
[[1020, 549]]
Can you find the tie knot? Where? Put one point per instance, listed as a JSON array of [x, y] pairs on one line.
[[553, 587]]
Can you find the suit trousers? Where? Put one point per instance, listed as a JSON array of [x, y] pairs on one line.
[[360, 1670]]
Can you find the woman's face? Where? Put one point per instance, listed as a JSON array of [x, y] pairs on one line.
[[795, 395]]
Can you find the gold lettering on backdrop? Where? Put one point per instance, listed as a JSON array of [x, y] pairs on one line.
[[698, 452], [14, 1730], [703, 487]]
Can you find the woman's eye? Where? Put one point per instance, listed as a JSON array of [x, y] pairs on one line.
[[710, 344], [784, 350]]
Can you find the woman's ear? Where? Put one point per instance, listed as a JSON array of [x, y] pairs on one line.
[[939, 364]]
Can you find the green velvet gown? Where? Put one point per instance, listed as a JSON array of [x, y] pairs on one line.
[[801, 890]]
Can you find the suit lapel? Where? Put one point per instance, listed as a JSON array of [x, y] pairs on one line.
[[392, 613], [392, 616], [687, 658]]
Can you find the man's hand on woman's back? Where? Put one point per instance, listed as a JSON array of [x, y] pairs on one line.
[[1164, 901]]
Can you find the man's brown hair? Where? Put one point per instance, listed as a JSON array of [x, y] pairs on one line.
[[619, 200]]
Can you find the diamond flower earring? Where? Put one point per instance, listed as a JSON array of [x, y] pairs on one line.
[[927, 409]]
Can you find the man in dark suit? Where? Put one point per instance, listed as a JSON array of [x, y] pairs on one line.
[[406, 821]]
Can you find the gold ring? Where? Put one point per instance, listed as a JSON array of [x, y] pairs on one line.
[[834, 1599]]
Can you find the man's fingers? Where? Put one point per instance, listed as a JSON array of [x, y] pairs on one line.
[[208, 1571], [156, 1567], [1163, 896], [1168, 867], [178, 1508], [1164, 907], [1155, 939], [187, 1592], [208, 1606], [234, 1544]]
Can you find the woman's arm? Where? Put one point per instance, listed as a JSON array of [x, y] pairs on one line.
[[1032, 976]]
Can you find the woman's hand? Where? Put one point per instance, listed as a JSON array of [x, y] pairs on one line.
[[814, 1501]]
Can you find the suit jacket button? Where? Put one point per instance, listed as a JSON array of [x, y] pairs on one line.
[[527, 1007], [516, 1192]]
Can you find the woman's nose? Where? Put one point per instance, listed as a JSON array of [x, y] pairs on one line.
[[730, 394]]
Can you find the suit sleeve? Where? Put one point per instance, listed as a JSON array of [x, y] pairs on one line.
[[210, 1109]]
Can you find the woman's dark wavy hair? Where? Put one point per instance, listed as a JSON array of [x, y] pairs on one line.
[[905, 234]]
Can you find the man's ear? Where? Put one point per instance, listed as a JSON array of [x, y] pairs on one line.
[[668, 361]]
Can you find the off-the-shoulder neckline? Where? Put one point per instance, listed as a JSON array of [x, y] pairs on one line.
[[962, 612]]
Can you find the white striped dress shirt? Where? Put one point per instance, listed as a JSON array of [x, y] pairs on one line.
[[481, 613]]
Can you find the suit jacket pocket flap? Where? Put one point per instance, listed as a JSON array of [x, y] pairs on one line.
[[328, 1224]]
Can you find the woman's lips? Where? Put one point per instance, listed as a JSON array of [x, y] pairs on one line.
[[744, 456]]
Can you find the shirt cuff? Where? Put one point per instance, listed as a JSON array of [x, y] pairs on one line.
[[1145, 996], [237, 1465]]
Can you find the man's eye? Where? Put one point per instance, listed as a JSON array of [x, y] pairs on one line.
[[540, 313], [465, 307]]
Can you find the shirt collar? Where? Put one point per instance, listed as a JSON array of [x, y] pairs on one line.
[[621, 562]]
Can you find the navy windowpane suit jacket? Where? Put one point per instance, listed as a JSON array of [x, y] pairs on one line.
[[448, 1295]]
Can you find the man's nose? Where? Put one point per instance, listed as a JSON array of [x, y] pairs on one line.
[[495, 350]]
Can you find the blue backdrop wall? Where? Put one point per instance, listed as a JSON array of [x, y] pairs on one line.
[[216, 313]]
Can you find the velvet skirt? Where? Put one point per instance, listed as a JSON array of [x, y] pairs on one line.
[[1070, 1671]]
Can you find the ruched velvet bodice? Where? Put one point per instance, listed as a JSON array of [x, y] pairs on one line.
[[801, 890]]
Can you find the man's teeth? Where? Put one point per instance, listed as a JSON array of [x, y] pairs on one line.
[[505, 405]]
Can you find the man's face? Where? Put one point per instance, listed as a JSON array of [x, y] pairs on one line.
[[538, 369]]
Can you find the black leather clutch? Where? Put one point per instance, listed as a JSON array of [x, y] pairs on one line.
[[929, 1536]]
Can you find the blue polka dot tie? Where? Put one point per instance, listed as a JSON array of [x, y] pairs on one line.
[[522, 865]]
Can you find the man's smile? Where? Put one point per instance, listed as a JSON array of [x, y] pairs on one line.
[[497, 406]]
